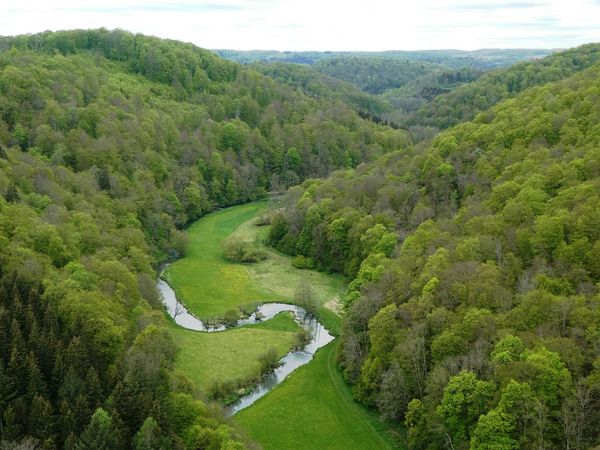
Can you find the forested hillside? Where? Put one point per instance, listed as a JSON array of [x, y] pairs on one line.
[[374, 75], [473, 316], [317, 84], [465, 102], [110, 143], [420, 96], [414, 94]]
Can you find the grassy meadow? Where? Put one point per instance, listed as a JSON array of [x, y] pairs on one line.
[[231, 355], [209, 285]]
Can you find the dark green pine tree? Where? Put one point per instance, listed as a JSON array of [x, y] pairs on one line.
[[12, 195], [36, 384], [41, 419], [8, 390], [66, 422], [99, 434], [149, 437]]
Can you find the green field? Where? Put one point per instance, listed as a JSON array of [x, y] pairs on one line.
[[204, 281], [313, 409], [209, 285], [231, 355]]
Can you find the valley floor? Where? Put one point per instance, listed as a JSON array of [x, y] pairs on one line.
[[313, 408]]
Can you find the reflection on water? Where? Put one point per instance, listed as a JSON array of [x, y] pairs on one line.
[[289, 363]]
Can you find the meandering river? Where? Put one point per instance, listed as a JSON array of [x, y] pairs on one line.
[[320, 337]]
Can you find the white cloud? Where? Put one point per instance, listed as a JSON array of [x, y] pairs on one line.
[[322, 24]]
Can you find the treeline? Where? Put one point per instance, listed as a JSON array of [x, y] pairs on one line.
[[484, 59], [109, 144], [473, 311]]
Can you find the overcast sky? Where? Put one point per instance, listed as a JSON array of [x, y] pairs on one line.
[[323, 24]]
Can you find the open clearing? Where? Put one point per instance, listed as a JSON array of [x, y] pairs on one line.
[[209, 285]]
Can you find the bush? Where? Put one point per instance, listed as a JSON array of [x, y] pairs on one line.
[[305, 297], [302, 339], [269, 361], [232, 316], [263, 219], [303, 262], [238, 250], [219, 389]]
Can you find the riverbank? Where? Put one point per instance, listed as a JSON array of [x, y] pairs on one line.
[[314, 408]]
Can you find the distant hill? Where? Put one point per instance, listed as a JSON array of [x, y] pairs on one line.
[[484, 59], [374, 74], [464, 102], [313, 82]]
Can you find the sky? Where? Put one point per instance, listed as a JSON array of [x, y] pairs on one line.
[[368, 25]]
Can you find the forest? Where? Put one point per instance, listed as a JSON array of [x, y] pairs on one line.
[[472, 314]]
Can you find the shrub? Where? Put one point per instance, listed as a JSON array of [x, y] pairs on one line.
[[263, 219], [303, 262], [302, 339], [231, 316], [269, 361], [219, 389], [305, 297], [239, 250]]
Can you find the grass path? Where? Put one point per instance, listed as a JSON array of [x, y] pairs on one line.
[[351, 406]]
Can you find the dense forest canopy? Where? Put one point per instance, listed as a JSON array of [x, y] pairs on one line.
[[473, 313], [420, 96], [374, 75], [317, 84], [414, 94], [109, 143]]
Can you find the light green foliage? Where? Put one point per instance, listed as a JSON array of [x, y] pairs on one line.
[[494, 431], [502, 427], [508, 349], [99, 434], [465, 399], [371, 269], [382, 327], [551, 379], [378, 240], [464, 102], [149, 437]]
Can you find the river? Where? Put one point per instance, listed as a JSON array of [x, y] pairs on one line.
[[320, 337]]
